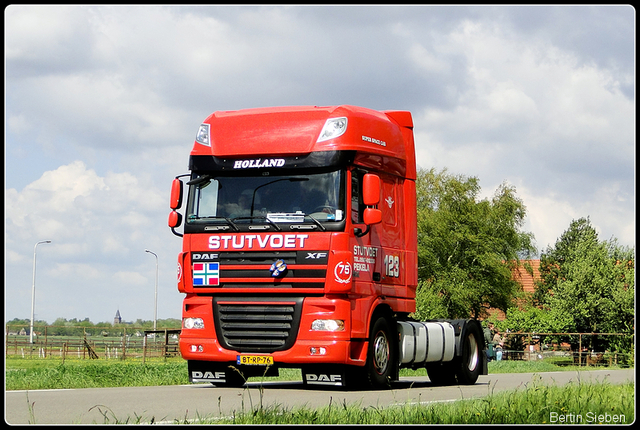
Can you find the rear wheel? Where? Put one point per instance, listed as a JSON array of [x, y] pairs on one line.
[[382, 354], [471, 361]]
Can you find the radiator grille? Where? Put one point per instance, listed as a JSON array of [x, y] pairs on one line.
[[257, 325]]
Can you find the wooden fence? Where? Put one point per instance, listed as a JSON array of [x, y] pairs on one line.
[[133, 343], [140, 343], [556, 347]]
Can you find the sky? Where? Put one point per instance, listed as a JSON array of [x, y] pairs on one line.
[[102, 104]]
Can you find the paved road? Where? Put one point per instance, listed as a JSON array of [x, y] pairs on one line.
[[169, 403]]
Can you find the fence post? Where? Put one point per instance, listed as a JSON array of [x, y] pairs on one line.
[[124, 342], [580, 349], [166, 344]]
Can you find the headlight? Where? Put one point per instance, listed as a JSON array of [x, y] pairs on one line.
[[192, 323], [333, 128], [203, 136], [327, 325]]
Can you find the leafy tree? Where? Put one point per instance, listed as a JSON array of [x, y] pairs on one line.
[[466, 247], [590, 280]]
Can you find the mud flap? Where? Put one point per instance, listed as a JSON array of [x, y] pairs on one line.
[[225, 373], [328, 376], [200, 371]]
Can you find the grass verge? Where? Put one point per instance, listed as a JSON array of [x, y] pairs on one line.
[[535, 403], [580, 403]]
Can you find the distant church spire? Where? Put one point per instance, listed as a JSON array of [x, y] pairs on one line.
[[117, 319]]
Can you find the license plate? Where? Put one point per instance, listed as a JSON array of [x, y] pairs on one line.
[[255, 360]]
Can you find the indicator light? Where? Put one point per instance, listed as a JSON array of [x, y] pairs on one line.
[[314, 350], [196, 348]]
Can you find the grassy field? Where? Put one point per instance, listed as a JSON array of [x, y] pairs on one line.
[[536, 404], [52, 373]]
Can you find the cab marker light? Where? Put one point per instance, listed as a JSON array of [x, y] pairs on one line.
[[333, 128]]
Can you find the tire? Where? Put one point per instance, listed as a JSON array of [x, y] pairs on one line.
[[442, 373], [382, 361], [470, 364]]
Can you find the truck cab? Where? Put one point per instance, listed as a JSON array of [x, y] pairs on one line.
[[300, 246]]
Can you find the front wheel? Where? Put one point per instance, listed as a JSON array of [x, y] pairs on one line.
[[382, 354]]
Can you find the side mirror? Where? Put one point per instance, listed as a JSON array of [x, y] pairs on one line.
[[371, 189], [372, 216], [175, 219], [176, 194]]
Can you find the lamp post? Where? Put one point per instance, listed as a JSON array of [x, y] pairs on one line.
[[33, 289], [155, 308]]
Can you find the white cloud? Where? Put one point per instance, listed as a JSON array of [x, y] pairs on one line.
[[96, 224], [130, 278], [533, 115], [103, 104]]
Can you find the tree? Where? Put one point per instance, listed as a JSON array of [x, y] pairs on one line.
[[590, 280], [467, 247]]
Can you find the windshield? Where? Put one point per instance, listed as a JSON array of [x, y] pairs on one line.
[[276, 199]]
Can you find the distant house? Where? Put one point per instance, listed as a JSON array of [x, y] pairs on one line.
[[526, 280]]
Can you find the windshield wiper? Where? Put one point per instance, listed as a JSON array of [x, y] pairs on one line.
[[318, 223], [260, 217], [231, 223]]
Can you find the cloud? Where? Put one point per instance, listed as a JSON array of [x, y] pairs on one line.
[[99, 227], [103, 104], [531, 114]]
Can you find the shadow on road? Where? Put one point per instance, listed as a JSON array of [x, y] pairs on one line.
[[403, 384]]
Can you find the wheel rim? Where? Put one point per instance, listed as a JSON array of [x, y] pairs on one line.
[[381, 353], [474, 354]]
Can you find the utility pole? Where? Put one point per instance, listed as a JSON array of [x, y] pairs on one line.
[[33, 289], [155, 308]]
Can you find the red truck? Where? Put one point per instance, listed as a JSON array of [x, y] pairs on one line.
[[300, 250]]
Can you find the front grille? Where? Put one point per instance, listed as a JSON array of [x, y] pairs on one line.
[[257, 324]]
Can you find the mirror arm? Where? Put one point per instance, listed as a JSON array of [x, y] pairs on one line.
[[360, 233]]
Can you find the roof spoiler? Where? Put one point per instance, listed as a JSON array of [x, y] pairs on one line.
[[402, 118]]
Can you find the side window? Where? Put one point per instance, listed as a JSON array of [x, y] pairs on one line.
[[357, 207]]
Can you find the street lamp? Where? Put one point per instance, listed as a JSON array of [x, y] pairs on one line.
[[33, 289], [155, 309]]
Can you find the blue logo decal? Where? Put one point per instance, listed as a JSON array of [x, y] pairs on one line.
[[278, 268]]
